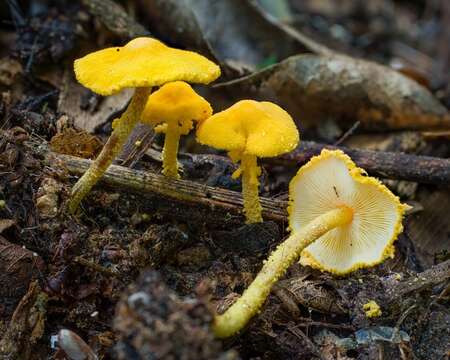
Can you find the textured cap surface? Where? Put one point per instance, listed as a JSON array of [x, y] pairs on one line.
[[258, 128], [176, 101], [143, 62]]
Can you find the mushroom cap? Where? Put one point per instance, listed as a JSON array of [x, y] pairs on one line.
[[252, 127], [176, 101], [143, 62], [332, 180]]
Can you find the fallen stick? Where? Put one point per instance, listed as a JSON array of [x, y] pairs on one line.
[[180, 190], [391, 165], [400, 166], [426, 279]]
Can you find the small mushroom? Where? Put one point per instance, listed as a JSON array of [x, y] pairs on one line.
[[140, 64], [372, 309], [247, 130], [332, 181], [174, 108], [340, 221]]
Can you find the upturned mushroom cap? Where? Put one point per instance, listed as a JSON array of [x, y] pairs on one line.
[[332, 180], [143, 62], [178, 102], [258, 128]]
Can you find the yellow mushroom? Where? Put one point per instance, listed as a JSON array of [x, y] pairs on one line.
[[372, 309], [174, 108], [333, 181], [340, 221], [247, 130], [140, 64]]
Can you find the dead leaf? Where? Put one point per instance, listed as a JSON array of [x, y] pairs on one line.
[[278, 9], [314, 88], [220, 29], [27, 325], [76, 143], [18, 267], [70, 103], [312, 294], [115, 18], [429, 229]]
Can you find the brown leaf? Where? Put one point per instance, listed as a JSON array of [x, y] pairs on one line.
[[313, 294], [114, 17], [18, 267], [26, 327], [429, 229], [76, 143], [220, 30], [314, 88], [70, 102]]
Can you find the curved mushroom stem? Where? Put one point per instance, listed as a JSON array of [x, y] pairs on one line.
[[250, 188], [237, 316], [122, 128], [170, 151]]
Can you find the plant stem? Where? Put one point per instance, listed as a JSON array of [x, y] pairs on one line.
[[238, 315], [121, 130], [250, 188], [170, 151]]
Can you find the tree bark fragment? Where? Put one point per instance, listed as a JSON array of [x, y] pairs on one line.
[[179, 190], [392, 165]]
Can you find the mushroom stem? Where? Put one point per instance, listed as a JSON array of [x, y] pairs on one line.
[[250, 188], [238, 315], [170, 150], [122, 128]]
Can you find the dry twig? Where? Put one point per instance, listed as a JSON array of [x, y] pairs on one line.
[[179, 190], [399, 166]]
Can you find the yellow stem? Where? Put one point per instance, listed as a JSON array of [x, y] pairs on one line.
[[121, 130], [170, 151], [250, 188], [238, 315]]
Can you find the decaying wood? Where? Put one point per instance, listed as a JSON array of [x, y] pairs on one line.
[[391, 165], [180, 190], [426, 279], [136, 146], [385, 164]]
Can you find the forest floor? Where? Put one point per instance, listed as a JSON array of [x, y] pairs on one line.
[[193, 254]]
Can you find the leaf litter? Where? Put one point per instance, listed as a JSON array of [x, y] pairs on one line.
[[84, 267]]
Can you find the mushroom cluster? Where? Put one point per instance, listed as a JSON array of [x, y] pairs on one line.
[[340, 219], [141, 64]]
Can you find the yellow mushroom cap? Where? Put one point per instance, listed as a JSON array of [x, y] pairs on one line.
[[332, 180], [258, 128], [176, 101], [143, 62]]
